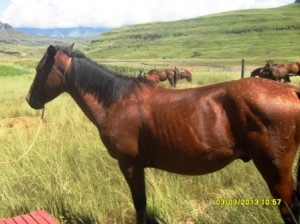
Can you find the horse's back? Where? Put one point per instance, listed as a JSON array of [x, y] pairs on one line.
[[257, 72], [261, 94], [265, 92]]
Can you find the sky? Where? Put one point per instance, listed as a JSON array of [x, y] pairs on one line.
[[116, 13]]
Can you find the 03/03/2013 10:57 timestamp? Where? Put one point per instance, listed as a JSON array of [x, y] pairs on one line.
[[247, 202]]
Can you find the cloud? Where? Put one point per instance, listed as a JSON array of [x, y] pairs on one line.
[[115, 13]]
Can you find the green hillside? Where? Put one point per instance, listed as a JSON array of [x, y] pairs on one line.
[[250, 34]]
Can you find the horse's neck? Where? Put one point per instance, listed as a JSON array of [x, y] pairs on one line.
[[89, 104]]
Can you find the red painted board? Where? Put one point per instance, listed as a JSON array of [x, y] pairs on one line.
[[9, 221], [47, 217], [29, 219], [19, 220], [39, 219]]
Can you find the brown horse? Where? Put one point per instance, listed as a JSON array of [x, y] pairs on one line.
[[141, 124], [162, 75], [152, 76], [184, 73], [282, 71]]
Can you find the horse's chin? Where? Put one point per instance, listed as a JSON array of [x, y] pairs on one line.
[[39, 107], [36, 104]]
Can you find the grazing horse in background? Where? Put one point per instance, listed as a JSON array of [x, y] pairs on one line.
[[141, 124], [162, 75], [282, 71], [152, 76], [261, 73], [184, 73], [141, 74]]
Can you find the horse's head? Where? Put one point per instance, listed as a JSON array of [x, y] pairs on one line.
[[269, 63], [152, 77], [50, 76]]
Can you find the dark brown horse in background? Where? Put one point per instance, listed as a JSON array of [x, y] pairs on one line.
[[282, 71], [261, 73], [184, 73], [163, 75], [141, 124]]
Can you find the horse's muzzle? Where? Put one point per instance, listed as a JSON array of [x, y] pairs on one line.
[[35, 104]]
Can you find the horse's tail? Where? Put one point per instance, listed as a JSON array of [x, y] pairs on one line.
[[298, 179]]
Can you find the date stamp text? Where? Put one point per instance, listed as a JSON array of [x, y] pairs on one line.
[[247, 202]]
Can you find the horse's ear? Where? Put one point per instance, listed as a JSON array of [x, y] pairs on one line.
[[51, 51], [71, 47]]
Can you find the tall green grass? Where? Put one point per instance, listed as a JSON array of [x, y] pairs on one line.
[[70, 174]]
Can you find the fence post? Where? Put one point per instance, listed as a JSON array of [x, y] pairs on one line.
[[243, 69]]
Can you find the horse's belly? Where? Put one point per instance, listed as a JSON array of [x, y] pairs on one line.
[[191, 150], [201, 162]]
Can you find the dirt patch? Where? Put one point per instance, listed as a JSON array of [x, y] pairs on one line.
[[19, 122]]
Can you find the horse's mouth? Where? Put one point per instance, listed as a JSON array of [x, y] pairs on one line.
[[37, 105]]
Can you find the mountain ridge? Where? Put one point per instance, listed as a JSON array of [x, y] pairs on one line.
[[39, 37], [254, 33], [77, 32], [5, 26]]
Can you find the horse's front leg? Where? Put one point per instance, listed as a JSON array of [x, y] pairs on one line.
[[175, 80], [172, 82], [135, 178]]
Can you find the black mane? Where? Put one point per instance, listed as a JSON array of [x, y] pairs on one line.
[[94, 78]]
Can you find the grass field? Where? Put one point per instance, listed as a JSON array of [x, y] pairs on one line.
[[70, 174]]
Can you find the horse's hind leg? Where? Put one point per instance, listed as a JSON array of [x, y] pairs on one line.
[[278, 175]]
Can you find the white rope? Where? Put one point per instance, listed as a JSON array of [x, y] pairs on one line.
[[29, 148]]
